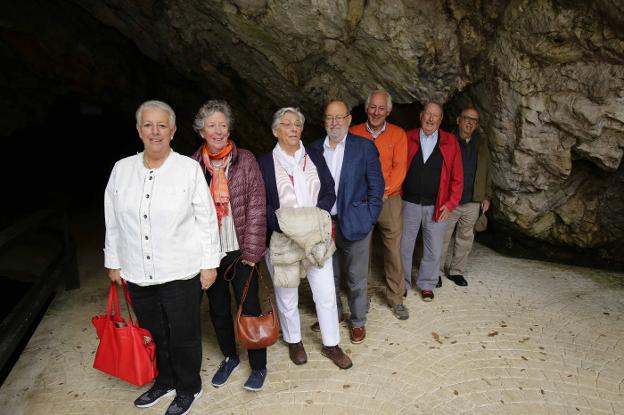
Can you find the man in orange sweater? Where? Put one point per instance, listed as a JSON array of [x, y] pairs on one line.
[[391, 142]]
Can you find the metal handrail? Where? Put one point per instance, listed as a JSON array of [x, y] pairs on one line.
[[63, 266]]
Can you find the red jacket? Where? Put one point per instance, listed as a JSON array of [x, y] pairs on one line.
[[452, 175]]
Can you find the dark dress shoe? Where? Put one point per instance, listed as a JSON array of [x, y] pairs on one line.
[[336, 355], [439, 284], [427, 295], [358, 334], [458, 279], [297, 353]]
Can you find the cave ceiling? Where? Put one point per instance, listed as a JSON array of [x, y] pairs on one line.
[[547, 77]]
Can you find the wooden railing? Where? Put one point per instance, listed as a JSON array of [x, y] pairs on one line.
[[62, 265]]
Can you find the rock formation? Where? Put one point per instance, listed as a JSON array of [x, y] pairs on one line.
[[546, 75]]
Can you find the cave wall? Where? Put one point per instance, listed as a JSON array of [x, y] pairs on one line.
[[546, 75], [552, 103]]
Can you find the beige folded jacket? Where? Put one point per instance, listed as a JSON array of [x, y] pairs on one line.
[[306, 240]]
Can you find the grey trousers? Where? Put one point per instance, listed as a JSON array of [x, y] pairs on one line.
[[353, 256], [415, 216], [458, 238]]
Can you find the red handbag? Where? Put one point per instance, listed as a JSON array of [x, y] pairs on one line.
[[126, 351]]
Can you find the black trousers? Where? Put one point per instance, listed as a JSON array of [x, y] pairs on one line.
[[220, 307], [170, 311]]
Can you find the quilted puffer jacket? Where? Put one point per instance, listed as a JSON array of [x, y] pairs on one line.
[[305, 240], [248, 201]]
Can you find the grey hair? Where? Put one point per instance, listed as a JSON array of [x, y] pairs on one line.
[[433, 102], [380, 91], [153, 104], [282, 111], [209, 108]]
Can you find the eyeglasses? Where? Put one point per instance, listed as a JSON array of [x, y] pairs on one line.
[[467, 118], [288, 125], [336, 118]]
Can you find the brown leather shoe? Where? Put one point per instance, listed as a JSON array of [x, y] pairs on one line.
[[336, 355], [297, 353], [358, 334], [316, 327]]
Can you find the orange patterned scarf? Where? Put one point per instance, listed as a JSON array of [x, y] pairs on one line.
[[219, 183]]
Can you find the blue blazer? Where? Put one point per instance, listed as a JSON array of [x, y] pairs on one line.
[[326, 197], [360, 188]]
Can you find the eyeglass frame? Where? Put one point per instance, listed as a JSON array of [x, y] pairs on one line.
[[336, 118], [468, 118], [298, 126]]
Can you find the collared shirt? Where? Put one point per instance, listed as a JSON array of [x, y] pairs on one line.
[[373, 133], [428, 143], [333, 158], [161, 224]]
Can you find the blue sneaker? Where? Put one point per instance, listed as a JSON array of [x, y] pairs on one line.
[[256, 380], [225, 370]]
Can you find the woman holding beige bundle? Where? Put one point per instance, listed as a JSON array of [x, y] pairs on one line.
[[296, 177]]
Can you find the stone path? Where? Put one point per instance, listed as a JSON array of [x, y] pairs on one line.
[[525, 337]]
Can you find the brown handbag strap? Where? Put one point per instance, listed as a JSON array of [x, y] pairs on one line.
[[229, 272]]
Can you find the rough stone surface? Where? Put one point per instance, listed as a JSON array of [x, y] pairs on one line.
[[546, 75], [525, 337]]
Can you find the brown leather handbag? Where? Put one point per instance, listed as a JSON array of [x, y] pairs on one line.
[[256, 332]]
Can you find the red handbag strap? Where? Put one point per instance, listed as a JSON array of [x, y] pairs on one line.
[[124, 285], [113, 301]]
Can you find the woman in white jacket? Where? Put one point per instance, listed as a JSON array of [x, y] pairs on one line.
[[161, 232]]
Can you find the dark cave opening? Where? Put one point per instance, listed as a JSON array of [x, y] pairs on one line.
[[65, 158]]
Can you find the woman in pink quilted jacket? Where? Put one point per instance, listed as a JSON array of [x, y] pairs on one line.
[[237, 189]]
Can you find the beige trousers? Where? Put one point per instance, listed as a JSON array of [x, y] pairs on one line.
[[458, 239], [390, 226]]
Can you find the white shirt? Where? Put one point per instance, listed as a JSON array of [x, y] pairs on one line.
[[333, 158], [161, 224], [428, 143], [374, 134]]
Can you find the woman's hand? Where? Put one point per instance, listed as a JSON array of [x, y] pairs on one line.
[[244, 261], [207, 277], [115, 275]]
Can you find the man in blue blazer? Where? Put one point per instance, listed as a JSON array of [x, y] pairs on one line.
[[354, 164]]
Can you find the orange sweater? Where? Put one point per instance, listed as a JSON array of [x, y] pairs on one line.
[[392, 147]]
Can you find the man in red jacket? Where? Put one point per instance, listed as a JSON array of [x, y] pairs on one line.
[[431, 191]]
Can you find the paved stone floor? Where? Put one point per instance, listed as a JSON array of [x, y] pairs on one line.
[[525, 337]]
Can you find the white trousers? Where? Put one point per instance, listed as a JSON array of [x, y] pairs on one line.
[[324, 294]]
